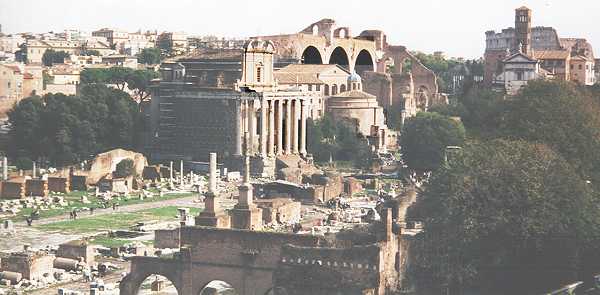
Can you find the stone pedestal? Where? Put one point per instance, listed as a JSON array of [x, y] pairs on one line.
[[246, 217], [212, 216]]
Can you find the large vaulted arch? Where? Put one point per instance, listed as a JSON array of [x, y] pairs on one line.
[[339, 57], [364, 62], [311, 55]]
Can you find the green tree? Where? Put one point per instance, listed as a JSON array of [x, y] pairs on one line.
[[337, 139], [68, 129], [93, 76], [149, 56], [125, 168], [139, 82], [51, 57], [119, 76], [503, 211], [562, 116], [425, 138], [26, 121]]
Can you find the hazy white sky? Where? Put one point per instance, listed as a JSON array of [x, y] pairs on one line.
[[454, 26]]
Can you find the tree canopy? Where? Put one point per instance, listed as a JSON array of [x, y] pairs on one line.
[[51, 57], [149, 56], [65, 129], [425, 138], [504, 211], [125, 168], [337, 139], [136, 80]]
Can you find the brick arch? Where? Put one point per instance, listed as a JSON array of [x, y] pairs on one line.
[[144, 267], [311, 55], [339, 56], [364, 61], [201, 292]]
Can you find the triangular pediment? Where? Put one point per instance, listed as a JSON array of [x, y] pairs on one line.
[[519, 58]]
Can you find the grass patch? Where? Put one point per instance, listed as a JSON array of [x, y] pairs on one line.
[[109, 242], [114, 221], [74, 199]]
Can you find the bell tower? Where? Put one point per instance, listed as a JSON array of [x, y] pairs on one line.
[[257, 73], [523, 30]]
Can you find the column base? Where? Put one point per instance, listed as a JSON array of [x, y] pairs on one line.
[[246, 217]]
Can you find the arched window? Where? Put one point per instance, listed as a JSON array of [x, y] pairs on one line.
[[326, 91], [334, 90], [343, 88]]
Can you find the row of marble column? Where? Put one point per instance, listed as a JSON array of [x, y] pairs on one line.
[[271, 136]]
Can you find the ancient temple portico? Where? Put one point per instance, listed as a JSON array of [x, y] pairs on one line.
[[275, 124]]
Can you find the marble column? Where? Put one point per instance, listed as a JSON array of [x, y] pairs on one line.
[[252, 127], [263, 127], [212, 173], [4, 168], [303, 114], [171, 172], [181, 173], [271, 145], [288, 126], [279, 127], [238, 128], [295, 115]]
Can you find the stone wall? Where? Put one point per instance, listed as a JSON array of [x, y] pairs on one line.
[[36, 188], [13, 190], [106, 163], [59, 184], [78, 183], [288, 210], [76, 250], [166, 238], [32, 266], [310, 270]]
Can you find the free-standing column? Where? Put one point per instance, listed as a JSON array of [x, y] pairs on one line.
[[295, 125], [238, 128], [279, 127], [303, 113], [4, 168], [288, 126], [212, 173], [263, 127], [181, 173], [271, 145], [252, 126]]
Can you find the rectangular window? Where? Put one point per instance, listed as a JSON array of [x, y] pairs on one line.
[[258, 74], [519, 76], [580, 67], [318, 87], [309, 87]]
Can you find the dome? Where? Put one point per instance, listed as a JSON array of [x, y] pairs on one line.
[[354, 78]]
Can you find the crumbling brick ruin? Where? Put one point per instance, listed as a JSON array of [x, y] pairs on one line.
[[365, 261]]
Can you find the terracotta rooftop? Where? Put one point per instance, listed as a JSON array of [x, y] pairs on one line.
[[213, 54], [355, 94], [551, 54], [296, 78], [310, 68]]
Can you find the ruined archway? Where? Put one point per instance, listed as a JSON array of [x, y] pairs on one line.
[[364, 62], [422, 98], [311, 55], [339, 57], [143, 267], [277, 291], [157, 284], [218, 288]]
